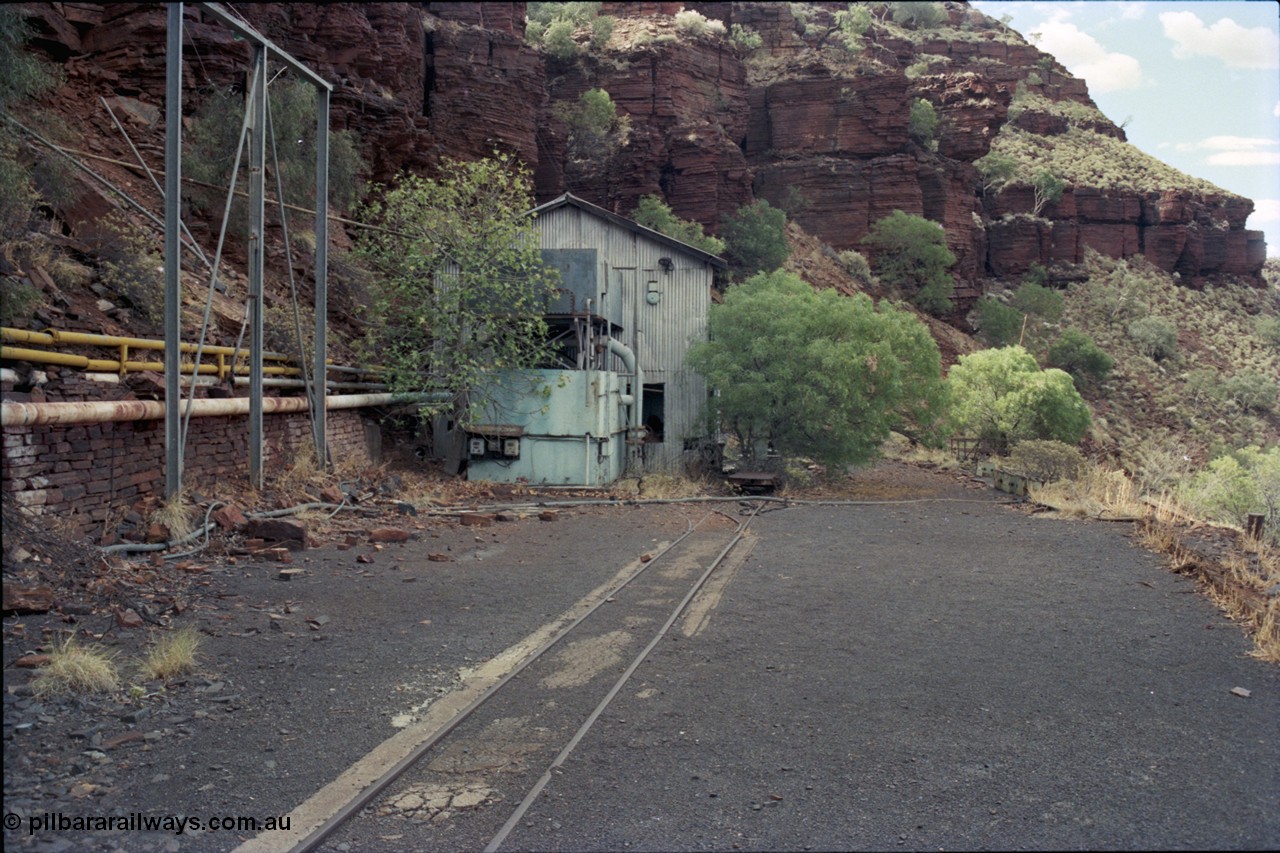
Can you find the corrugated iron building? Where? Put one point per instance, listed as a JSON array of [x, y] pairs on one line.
[[658, 290]]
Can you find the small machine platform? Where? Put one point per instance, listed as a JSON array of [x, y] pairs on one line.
[[754, 482]]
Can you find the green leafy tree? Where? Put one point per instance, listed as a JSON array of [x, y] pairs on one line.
[[1043, 302], [755, 238], [1047, 189], [998, 324], [215, 135], [745, 38], [596, 130], [1002, 394], [852, 25], [24, 77], [816, 373], [1077, 354], [923, 124], [653, 212], [919, 15], [995, 169], [1236, 485], [460, 286], [911, 254]]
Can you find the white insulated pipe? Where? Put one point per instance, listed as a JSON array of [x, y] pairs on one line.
[[632, 364], [32, 414]]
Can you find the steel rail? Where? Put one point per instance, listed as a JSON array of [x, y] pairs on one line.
[[342, 815], [542, 782]]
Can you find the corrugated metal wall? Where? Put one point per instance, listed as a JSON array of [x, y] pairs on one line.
[[660, 334]]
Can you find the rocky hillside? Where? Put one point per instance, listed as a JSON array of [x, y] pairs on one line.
[[799, 120], [736, 102]]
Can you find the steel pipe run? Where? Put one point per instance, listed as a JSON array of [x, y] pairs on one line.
[[41, 414], [629, 360]]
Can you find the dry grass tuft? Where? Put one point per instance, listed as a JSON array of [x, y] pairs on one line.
[[670, 486], [302, 474], [74, 669], [173, 655], [1238, 582], [175, 514], [1096, 493]]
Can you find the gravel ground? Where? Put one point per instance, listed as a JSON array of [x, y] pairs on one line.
[[921, 675]]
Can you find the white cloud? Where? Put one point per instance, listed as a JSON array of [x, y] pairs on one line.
[[1236, 46], [1236, 143], [1265, 210], [1085, 57], [1275, 111], [1234, 150], [1244, 158], [1132, 11]]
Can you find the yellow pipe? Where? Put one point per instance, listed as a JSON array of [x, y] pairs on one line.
[[54, 336], [122, 366], [102, 365], [61, 358]]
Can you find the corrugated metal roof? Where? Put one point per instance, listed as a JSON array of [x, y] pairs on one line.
[[656, 236]]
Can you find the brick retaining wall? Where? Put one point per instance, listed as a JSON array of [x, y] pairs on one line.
[[85, 473]]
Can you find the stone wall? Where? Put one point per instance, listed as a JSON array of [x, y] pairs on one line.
[[88, 475]]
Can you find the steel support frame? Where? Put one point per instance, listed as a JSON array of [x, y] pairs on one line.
[[172, 258], [173, 223]]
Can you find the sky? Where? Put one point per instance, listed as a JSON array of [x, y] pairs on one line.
[[1195, 84]]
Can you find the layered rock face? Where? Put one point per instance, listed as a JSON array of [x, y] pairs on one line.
[[816, 130]]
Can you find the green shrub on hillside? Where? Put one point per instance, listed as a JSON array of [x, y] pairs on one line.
[[1047, 461], [596, 130], [695, 23], [1002, 394], [25, 178], [131, 265], [18, 301], [1043, 302], [923, 124], [911, 254], [1252, 390], [214, 137], [856, 265], [1268, 328], [551, 26], [745, 38], [652, 212], [1154, 337], [816, 373], [918, 15], [1077, 354], [1236, 485], [998, 324], [755, 238]]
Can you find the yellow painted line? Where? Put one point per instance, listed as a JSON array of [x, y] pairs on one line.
[[698, 615]]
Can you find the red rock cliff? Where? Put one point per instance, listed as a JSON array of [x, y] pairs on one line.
[[814, 128]]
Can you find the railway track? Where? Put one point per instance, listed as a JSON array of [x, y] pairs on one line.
[[468, 785]]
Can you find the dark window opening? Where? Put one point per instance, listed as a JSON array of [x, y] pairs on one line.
[[653, 412]]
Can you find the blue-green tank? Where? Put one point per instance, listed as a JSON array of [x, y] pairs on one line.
[[548, 427]]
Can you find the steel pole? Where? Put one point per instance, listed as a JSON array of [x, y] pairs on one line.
[[257, 238], [172, 258], [318, 373]]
